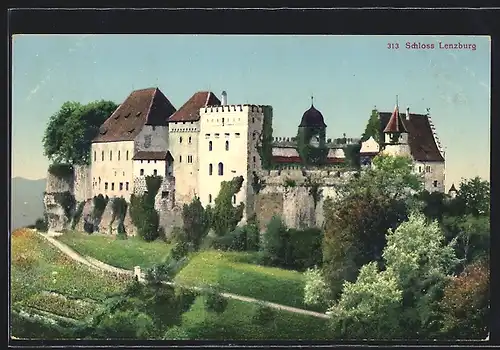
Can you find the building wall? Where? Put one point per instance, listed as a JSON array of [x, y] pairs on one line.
[[152, 138], [82, 182], [183, 145], [240, 126], [431, 172], [114, 170], [149, 166], [400, 149]]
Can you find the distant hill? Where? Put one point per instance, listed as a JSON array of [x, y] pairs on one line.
[[26, 201]]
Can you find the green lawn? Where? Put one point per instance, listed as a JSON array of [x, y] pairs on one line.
[[234, 273], [116, 252], [236, 323], [40, 272]]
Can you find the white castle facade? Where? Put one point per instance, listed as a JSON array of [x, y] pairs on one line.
[[207, 141]]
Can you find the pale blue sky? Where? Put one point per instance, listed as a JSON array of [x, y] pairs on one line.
[[348, 76]]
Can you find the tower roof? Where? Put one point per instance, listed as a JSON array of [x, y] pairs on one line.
[[312, 118], [142, 107], [396, 123], [190, 111], [452, 188]]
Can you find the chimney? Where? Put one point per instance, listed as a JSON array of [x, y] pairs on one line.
[[224, 98], [407, 113]]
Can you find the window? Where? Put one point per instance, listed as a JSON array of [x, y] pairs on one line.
[[102, 156], [254, 159], [216, 135], [221, 169], [419, 169], [112, 186], [154, 128], [435, 183], [127, 155], [180, 159], [155, 172], [180, 139], [209, 145], [99, 180], [148, 161], [189, 139], [105, 186], [226, 135], [141, 172], [210, 169], [123, 173], [126, 186], [227, 145], [209, 198], [222, 121], [190, 159], [164, 194], [95, 156], [142, 161], [253, 136], [115, 173], [253, 120], [428, 169], [237, 134], [234, 199], [121, 186], [118, 155], [110, 155], [155, 161]]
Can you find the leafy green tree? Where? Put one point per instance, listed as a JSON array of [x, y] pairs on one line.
[[70, 131], [373, 127], [401, 301], [273, 245], [224, 217], [474, 197], [196, 222]]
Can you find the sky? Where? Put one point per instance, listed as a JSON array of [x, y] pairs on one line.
[[347, 75]]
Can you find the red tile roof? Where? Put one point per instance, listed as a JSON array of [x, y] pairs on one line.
[[190, 111], [142, 107], [423, 147], [151, 155], [396, 123], [298, 160]]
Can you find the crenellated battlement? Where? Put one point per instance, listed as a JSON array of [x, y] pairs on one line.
[[302, 177], [247, 108]]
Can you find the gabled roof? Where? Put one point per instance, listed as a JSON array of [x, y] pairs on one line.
[[152, 155], [452, 188], [420, 137], [142, 107], [190, 111], [396, 123]]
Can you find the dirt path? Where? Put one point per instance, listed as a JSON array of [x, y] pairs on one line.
[[99, 265]]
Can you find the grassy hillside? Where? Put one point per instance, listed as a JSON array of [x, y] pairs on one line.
[[234, 273], [120, 253], [45, 279], [26, 201]]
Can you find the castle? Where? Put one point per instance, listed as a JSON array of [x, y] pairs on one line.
[[207, 141]]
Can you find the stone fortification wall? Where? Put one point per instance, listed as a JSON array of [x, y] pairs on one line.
[[82, 183], [288, 194]]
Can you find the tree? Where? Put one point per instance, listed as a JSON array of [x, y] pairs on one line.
[[466, 303], [70, 131], [373, 127], [224, 217], [196, 222], [401, 300], [273, 245], [474, 197]]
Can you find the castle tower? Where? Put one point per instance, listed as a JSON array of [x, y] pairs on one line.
[[396, 135], [311, 131]]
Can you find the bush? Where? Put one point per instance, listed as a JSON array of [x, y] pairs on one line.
[[100, 202], [148, 228], [180, 250], [273, 245], [67, 202], [304, 248], [316, 292], [196, 222], [263, 315], [61, 170], [41, 225], [214, 302], [88, 227]]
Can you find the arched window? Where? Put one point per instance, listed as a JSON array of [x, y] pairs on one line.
[[127, 155], [221, 169], [209, 198], [210, 169], [189, 139], [141, 172], [102, 156], [227, 145], [110, 155], [118, 155], [155, 172], [209, 145], [180, 139]]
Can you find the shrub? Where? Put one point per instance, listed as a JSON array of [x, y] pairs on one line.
[[67, 202], [316, 292], [224, 217], [273, 245], [41, 225], [196, 222], [119, 207], [180, 250], [100, 203], [148, 228], [176, 333], [214, 302], [61, 170], [290, 183], [88, 227], [304, 248]]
